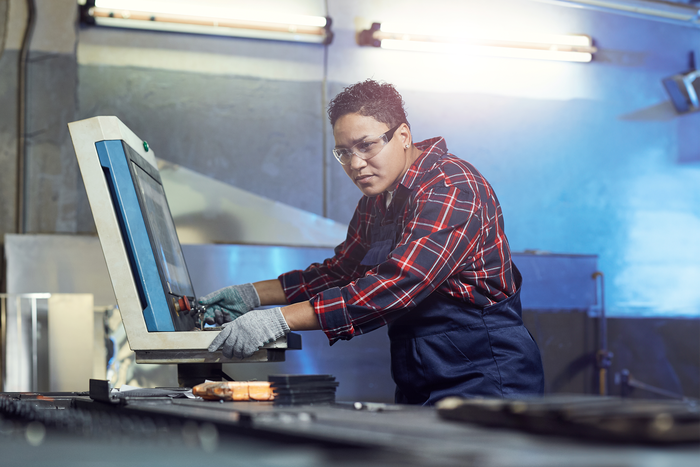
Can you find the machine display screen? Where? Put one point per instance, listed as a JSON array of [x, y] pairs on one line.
[[166, 246]]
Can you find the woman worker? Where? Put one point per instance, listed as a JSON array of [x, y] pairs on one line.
[[425, 254]]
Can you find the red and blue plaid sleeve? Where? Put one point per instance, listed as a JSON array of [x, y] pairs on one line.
[[337, 271], [440, 234]]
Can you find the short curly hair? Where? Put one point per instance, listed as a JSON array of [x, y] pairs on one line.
[[370, 98]]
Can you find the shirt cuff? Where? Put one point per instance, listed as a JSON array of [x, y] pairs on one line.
[[294, 286], [333, 316]]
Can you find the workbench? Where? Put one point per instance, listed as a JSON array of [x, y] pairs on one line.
[[73, 429]]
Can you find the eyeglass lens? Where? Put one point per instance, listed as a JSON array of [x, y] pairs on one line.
[[365, 149]]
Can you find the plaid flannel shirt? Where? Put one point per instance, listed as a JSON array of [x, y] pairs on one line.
[[452, 242]]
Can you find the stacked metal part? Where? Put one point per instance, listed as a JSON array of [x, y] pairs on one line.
[[303, 389]]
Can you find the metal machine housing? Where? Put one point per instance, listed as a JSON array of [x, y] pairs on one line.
[[109, 155]]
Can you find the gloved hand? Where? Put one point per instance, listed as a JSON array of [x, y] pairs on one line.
[[229, 303], [245, 335]]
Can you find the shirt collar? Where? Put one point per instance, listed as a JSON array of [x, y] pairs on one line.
[[433, 149]]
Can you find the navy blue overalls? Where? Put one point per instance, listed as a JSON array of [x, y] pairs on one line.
[[446, 347]]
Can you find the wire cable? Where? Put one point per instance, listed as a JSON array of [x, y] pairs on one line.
[[22, 116]]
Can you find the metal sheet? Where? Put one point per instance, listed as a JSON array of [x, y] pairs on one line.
[[52, 343], [57, 264], [71, 342], [202, 356], [25, 320], [209, 211], [215, 266], [557, 282]]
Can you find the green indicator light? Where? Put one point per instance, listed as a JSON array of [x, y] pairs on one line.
[[145, 146]]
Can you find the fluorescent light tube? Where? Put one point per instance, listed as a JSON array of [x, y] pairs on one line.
[[505, 52], [561, 47], [200, 18]]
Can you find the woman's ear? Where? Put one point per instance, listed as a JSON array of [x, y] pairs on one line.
[[405, 135]]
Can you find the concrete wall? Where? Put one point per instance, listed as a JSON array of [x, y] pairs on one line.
[[54, 187], [12, 18], [12, 23], [53, 192]]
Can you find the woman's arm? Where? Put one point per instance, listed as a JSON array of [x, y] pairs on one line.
[[270, 292], [299, 316]]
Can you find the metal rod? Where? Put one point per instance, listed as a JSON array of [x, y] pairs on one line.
[[19, 339], [666, 12], [35, 348], [325, 169], [603, 356], [635, 383], [603, 317]]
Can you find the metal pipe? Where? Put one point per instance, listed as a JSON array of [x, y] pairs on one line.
[[35, 347], [627, 381], [654, 390], [18, 318], [3, 337], [603, 321], [666, 12], [603, 355], [22, 115], [324, 129]]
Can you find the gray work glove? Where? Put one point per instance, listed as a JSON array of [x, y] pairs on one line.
[[229, 303], [245, 335]]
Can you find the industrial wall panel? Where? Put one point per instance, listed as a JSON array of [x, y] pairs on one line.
[[263, 136]]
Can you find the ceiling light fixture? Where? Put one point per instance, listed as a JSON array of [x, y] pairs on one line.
[[684, 88], [200, 18], [561, 47]]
